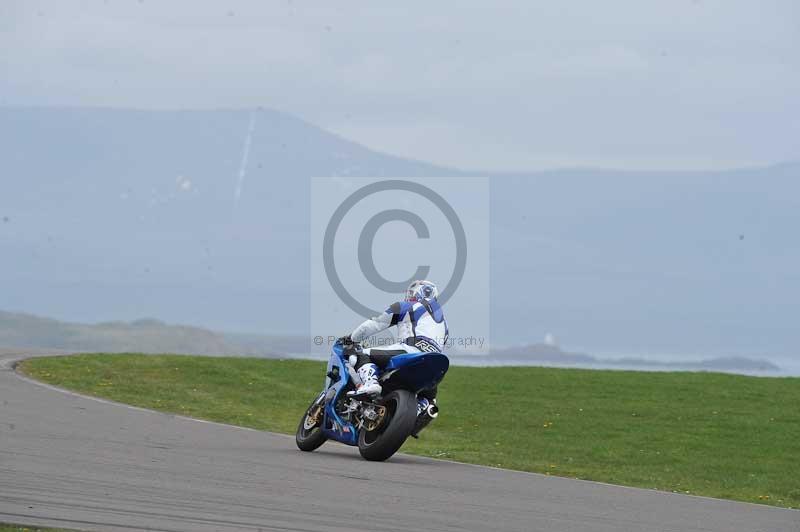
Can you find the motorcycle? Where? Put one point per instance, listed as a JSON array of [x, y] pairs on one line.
[[378, 425]]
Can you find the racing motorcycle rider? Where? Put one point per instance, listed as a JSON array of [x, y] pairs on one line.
[[421, 327]]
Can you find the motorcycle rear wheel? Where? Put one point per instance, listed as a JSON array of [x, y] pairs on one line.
[[308, 439], [381, 443]]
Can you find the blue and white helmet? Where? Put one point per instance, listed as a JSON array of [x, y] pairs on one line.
[[421, 289]]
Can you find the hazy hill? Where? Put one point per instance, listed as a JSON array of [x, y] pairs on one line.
[[121, 213], [32, 334], [115, 214], [147, 336], [542, 354]]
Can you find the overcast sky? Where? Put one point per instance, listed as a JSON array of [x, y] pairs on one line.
[[511, 85]]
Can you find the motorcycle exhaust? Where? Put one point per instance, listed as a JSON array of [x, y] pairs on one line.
[[431, 413]]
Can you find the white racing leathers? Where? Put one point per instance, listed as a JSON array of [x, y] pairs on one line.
[[420, 327]]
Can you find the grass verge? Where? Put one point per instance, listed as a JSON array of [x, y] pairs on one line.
[[9, 527], [709, 434]]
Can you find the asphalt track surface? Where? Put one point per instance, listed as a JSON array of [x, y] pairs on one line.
[[77, 462]]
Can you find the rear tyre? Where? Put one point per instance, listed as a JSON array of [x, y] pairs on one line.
[[384, 441], [309, 434]]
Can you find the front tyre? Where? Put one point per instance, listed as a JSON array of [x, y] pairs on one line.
[[389, 436], [309, 434]]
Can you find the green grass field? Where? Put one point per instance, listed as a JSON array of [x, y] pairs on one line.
[[7, 527], [707, 434]]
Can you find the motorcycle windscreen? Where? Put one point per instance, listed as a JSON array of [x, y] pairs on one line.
[[416, 371]]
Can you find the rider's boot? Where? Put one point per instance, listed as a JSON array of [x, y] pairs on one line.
[[422, 405], [369, 381]]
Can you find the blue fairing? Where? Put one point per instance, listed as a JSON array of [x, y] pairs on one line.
[[335, 427], [416, 371]]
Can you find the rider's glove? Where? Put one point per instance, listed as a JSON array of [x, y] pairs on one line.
[[350, 347], [346, 341]]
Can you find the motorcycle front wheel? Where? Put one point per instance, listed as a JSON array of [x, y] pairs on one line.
[[401, 415], [309, 434]]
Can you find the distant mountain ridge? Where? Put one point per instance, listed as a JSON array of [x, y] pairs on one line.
[[549, 354], [145, 336], [116, 214], [24, 331]]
